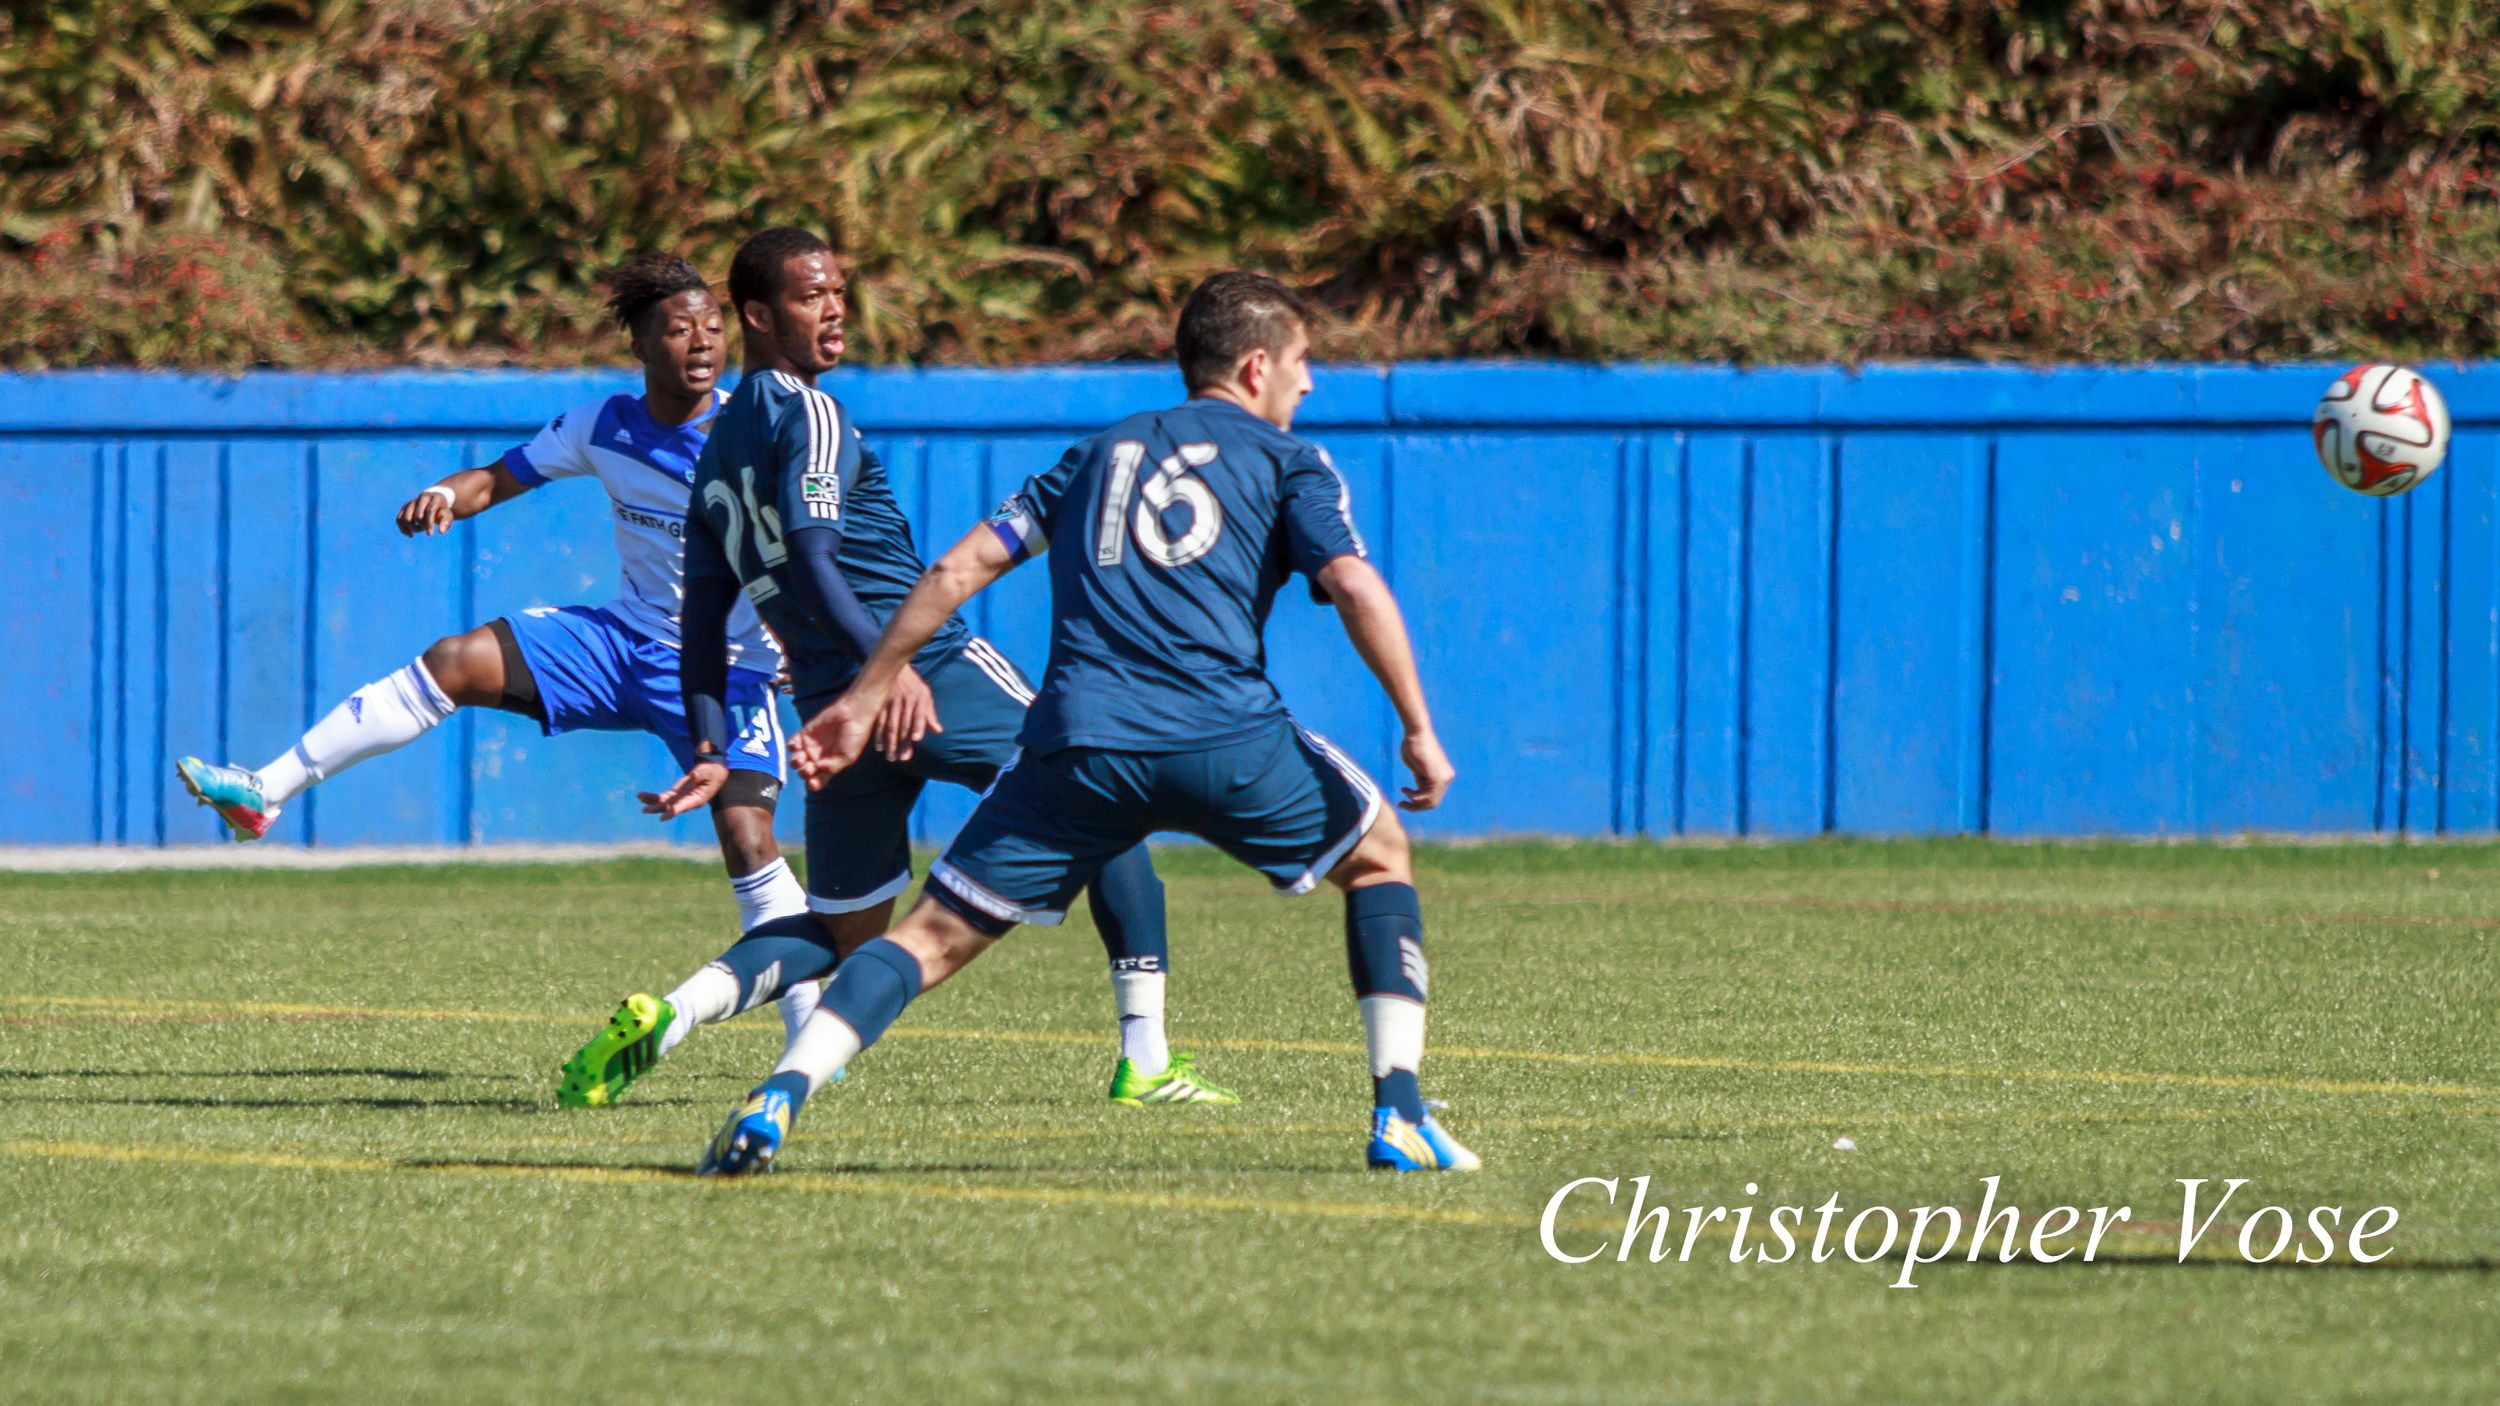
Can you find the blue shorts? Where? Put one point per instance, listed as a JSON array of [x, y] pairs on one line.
[[1288, 804], [859, 825], [595, 675]]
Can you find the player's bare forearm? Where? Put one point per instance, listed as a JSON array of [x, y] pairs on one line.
[[837, 736], [1373, 622], [462, 495], [1377, 628], [968, 566]]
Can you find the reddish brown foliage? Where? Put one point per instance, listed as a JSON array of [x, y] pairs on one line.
[[1042, 179]]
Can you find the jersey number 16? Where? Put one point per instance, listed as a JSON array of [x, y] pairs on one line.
[[1170, 484]]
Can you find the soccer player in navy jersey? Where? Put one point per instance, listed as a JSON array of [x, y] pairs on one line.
[[610, 668], [792, 510], [1174, 530]]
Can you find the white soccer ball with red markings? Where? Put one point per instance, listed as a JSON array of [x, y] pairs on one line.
[[2380, 429]]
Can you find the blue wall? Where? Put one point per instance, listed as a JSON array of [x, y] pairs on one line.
[[1655, 601]]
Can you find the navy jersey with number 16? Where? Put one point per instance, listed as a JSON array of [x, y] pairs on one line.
[[1169, 534]]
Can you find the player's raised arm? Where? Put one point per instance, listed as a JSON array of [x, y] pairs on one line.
[[1373, 621], [465, 494], [835, 738]]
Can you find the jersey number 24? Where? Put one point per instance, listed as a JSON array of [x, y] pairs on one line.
[[1169, 485]]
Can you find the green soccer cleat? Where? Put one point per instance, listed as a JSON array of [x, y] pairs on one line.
[[1178, 1083], [618, 1055]]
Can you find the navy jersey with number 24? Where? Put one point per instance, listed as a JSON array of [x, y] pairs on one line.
[[1169, 534]]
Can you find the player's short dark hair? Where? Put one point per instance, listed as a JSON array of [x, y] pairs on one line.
[[1229, 315], [755, 274], [645, 282]]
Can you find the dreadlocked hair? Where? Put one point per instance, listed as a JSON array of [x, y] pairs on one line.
[[647, 281]]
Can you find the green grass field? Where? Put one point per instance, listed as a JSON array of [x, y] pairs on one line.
[[290, 1136]]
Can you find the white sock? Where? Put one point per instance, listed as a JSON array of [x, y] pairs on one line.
[[797, 1004], [706, 998], [827, 1043], [768, 893], [383, 716], [1138, 996], [1393, 1029]]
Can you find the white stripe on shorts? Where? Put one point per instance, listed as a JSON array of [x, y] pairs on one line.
[[1006, 675], [884, 891], [780, 744], [1363, 786], [958, 884]]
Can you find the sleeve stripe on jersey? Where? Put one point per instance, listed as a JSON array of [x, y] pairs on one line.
[[516, 461], [1345, 504], [824, 454]]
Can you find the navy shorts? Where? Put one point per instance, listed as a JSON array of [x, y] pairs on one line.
[[1287, 803], [859, 825], [595, 675]]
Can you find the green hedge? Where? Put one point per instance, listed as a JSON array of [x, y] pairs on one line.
[[340, 181]]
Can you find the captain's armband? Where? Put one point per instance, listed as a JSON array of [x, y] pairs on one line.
[[1019, 530]]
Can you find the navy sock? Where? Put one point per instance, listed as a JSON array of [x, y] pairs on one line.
[[871, 987], [1384, 952], [1401, 1092], [1126, 899], [792, 1083], [776, 956]]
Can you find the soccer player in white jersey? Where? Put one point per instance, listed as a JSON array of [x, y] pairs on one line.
[[610, 668]]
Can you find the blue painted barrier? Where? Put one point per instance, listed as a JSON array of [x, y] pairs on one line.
[[1648, 600]]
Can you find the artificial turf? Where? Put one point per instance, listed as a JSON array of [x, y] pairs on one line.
[[289, 1136]]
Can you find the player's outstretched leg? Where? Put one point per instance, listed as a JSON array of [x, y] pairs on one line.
[[867, 992], [383, 716], [1127, 903], [1384, 943], [777, 955]]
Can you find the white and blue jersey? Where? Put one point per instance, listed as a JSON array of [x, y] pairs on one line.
[[648, 470], [1169, 534]]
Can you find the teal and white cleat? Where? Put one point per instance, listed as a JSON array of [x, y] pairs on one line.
[[1401, 1146], [749, 1139], [230, 791]]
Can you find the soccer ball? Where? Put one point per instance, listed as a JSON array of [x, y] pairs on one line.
[[2380, 429]]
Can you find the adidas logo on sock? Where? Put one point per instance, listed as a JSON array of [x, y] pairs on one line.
[[1411, 958], [356, 706]]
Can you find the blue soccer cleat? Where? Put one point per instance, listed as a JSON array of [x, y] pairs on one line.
[[749, 1139], [230, 791], [1400, 1146]]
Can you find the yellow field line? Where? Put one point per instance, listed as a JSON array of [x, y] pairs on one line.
[[799, 1181], [1649, 1061], [1765, 1066]]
